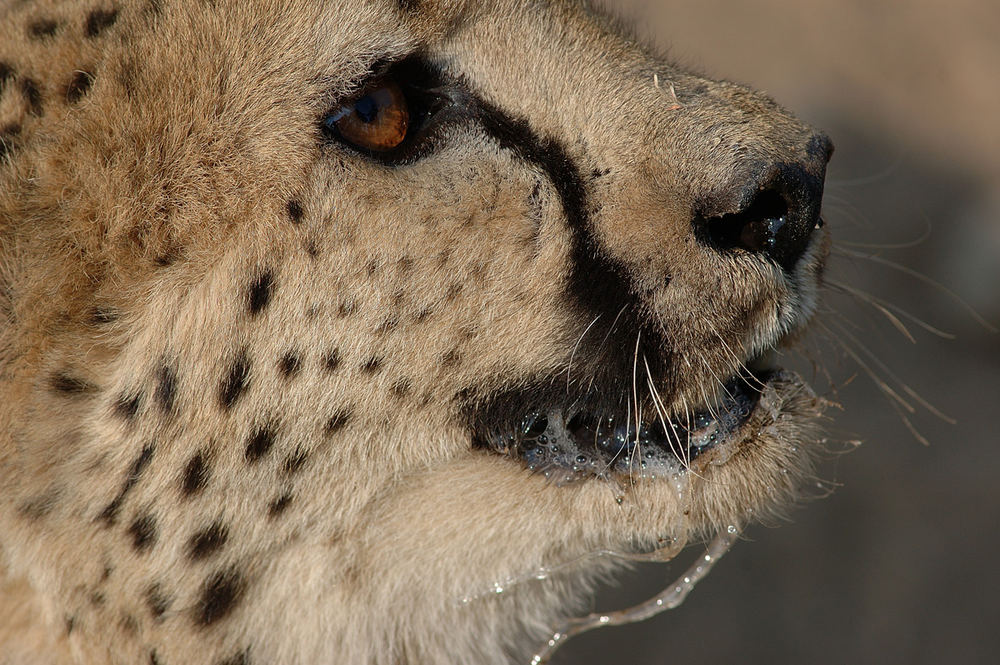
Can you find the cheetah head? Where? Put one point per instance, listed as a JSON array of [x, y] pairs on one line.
[[321, 317]]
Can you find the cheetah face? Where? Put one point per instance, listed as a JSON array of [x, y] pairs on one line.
[[323, 317]]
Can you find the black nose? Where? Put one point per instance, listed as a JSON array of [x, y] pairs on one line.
[[772, 211]]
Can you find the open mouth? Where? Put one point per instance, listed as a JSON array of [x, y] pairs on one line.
[[574, 441]]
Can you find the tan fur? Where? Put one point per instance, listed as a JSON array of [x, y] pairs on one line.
[[133, 221]]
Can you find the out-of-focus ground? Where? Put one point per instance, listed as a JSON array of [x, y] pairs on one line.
[[900, 563]]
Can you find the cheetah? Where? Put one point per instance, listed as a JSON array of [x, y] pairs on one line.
[[321, 318]]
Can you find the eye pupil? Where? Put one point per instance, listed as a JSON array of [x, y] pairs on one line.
[[367, 109]]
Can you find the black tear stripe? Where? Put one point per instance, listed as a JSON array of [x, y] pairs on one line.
[[599, 285]]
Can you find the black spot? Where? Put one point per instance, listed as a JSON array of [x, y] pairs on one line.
[[235, 383], [312, 249], [331, 361], [166, 389], [405, 265], [38, 506], [110, 512], [260, 443], [157, 601], [6, 74], [33, 94], [78, 86], [128, 78], [443, 257], [289, 365], [219, 595], [7, 134], [422, 315], [478, 273], [295, 462], [387, 325], [154, 8], [99, 20], [241, 658], [127, 406], [454, 290], [97, 599], [154, 659], [401, 388], [408, 6], [279, 505], [208, 541], [347, 308], [167, 259], [70, 385], [143, 532], [129, 624], [372, 365], [294, 211], [102, 316], [195, 475], [372, 267], [336, 422], [259, 294], [70, 624], [451, 358], [42, 28]]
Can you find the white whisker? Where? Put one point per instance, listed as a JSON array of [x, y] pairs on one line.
[[569, 367], [926, 280]]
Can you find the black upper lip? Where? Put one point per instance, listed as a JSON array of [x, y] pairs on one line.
[[581, 439]]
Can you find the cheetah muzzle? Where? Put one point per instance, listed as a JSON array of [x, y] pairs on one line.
[[566, 434]]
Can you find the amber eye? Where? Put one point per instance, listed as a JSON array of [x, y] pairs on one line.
[[376, 119]]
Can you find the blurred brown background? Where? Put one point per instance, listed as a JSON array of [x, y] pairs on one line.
[[900, 564]]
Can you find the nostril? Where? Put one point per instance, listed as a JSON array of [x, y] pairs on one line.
[[756, 227], [776, 220]]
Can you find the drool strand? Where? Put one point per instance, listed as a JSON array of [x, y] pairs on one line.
[[668, 599]]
